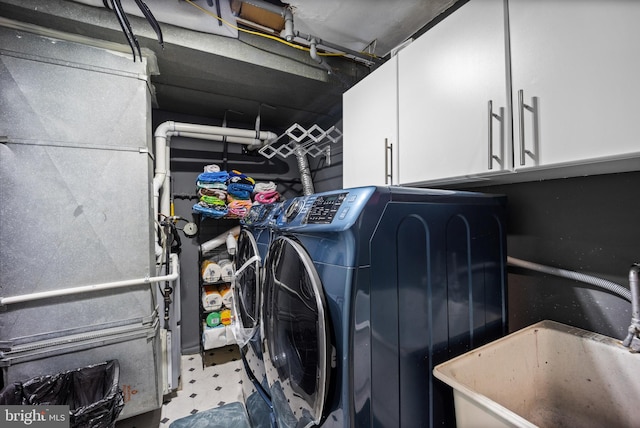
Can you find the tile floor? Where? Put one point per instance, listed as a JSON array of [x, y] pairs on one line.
[[218, 383]]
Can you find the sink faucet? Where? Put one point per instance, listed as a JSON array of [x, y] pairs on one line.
[[633, 338]]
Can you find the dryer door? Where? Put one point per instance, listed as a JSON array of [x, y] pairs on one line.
[[247, 284], [296, 335]]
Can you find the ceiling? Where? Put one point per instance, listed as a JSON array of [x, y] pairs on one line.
[[213, 70]]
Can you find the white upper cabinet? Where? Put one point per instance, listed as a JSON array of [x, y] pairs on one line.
[[520, 89], [453, 97], [575, 81], [370, 129]]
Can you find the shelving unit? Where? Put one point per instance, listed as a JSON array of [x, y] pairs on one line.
[[216, 269]]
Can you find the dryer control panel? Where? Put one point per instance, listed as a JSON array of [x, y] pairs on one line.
[[324, 212], [324, 208]]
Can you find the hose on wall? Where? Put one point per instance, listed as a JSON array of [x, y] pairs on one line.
[[577, 276]]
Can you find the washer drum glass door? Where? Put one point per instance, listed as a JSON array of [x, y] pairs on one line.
[[296, 335], [247, 284]]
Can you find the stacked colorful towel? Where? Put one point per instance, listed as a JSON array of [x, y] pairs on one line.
[[239, 188], [223, 194], [212, 190]]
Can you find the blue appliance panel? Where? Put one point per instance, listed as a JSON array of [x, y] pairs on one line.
[[410, 277], [445, 265]]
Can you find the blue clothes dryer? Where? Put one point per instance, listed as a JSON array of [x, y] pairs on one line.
[[252, 246], [366, 290]]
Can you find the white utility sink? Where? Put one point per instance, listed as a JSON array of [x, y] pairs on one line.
[[546, 375]]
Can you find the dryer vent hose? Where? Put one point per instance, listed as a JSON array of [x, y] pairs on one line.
[[305, 171]]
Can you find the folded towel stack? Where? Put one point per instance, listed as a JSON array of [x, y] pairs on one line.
[[239, 188], [223, 194], [265, 193], [239, 207], [212, 190]]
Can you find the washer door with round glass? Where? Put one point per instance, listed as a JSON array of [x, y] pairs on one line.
[[296, 335], [247, 288]]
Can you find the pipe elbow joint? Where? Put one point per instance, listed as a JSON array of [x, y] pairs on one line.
[[313, 51], [164, 128]]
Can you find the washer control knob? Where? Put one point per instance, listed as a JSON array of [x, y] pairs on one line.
[[293, 210]]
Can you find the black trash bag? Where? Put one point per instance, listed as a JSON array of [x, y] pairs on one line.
[[92, 393]]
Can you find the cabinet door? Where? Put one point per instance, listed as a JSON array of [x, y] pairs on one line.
[[576, 85], [370, 118], [447, 78]]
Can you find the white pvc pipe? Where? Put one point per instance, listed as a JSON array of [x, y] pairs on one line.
[[231, 244], [162, 152], [252, 143], [175, 272], [288, 25], [165, 198], [161, 167], [214, 243], [215, 130]]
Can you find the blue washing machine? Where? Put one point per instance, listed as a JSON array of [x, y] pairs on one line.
[[366, 290]]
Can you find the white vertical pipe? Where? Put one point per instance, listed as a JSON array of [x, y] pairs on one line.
[[288, 25], [165, 201], [160, 171]]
